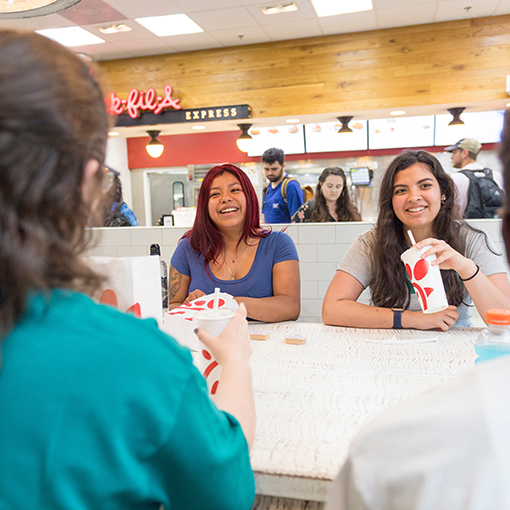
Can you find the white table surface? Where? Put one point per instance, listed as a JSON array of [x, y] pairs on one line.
[[311, 399]]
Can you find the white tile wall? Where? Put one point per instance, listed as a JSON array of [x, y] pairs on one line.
[[320, 248]]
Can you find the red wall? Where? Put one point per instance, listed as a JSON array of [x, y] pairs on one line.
[[220, 147]]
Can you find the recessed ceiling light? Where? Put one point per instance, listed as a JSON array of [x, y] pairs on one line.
[[198, 128], [279, 8], [113, 133], [508, 104], [18, 9], [292, 121], [115, 28], [71, 36], [398, 112], [329, 8], [172, 24]]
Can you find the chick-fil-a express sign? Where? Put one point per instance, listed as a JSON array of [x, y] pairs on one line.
[[138, 100]]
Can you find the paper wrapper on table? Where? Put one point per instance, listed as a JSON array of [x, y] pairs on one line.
[[133, 284], [178, 323], [426, 280]]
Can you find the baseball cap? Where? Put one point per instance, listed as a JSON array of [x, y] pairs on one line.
[[470, 144]]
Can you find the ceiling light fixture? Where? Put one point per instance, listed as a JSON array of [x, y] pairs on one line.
[[329, 8], [171, 24], [292, 121], [457, 121], [398, 112], [279, 8], [244, 140], [345, 124], [71, 36], [34, 8], [113, 133], [115, 28], [198, 128], [154, 148]]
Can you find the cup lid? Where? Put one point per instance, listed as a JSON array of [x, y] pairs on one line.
[[497, 316]]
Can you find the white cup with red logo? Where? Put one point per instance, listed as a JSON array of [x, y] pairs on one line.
[[426, 280], [214, 322]]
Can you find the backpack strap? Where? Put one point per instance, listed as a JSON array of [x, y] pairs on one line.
[[285, 182]]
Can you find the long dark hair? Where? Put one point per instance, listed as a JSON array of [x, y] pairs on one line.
[[345, 209], [205, 236], [390, 288], [52, 123]]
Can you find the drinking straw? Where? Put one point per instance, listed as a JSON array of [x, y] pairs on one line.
[[410, 234], [216, 298]]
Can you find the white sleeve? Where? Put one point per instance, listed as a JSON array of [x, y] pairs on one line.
[[434, 452], [462, 189]]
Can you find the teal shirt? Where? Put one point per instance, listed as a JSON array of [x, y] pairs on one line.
[[100, 410]]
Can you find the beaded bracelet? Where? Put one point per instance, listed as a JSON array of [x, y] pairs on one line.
[[471, 277]]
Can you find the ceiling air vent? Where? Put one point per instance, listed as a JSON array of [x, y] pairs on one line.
[[279, 8]]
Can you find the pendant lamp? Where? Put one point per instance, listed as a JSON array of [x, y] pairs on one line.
[[244, 140], [154, 148], [455, 112], [345, 124]]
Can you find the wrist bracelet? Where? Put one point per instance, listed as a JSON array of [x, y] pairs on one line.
[[471, 277], [397, 318]]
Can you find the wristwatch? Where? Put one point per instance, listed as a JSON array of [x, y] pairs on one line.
[[397, 318]]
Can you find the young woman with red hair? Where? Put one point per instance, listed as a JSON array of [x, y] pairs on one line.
[[227, 248]]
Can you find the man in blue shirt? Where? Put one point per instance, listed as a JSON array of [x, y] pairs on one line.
[[276, 208]]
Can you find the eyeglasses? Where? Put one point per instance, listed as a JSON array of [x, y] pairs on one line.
[[108, 178]]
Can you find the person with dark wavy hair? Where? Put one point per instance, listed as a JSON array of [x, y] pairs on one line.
[[332, 200], [98, 409], [418, 195], [448, 448], [227, 248]]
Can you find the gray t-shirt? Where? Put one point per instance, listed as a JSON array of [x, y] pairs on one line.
[[358, 263]]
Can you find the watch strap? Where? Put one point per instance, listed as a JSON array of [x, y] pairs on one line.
[[397, 318]]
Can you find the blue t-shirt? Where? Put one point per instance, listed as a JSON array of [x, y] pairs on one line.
[[258, 283], [127, 212], [102, 410], [274, 209]]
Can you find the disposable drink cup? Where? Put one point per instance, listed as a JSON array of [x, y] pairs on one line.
[[214, 322], [426, 280]]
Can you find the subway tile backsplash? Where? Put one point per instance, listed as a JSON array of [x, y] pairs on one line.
[[320, 247]]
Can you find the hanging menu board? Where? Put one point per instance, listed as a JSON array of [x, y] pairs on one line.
[[486, 127], [290, 138], [403, 132], [324, 137]]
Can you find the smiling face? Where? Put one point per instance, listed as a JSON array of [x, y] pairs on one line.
[[227, 202], [332, 187], [416, 199]]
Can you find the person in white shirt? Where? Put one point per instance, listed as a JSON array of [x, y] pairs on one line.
[[464, 154], [448, 449]]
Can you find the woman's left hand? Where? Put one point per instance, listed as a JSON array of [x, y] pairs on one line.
[[194, 295], [447, 257]]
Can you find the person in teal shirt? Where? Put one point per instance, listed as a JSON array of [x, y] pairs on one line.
[[98, 409]]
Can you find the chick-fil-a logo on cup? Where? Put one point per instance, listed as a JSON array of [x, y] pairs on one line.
[[138, 100]]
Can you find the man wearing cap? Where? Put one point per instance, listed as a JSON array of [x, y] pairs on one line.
[[464, 154]]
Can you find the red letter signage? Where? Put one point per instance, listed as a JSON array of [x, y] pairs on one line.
[[140, 100]]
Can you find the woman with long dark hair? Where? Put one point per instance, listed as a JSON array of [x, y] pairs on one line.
[[332, 201], [416, 194], [98, 409], [227, 248]]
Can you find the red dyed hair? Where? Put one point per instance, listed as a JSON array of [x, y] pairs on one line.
[[205, 236]]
